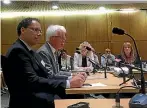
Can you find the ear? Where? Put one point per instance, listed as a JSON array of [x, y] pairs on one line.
[[23, 30]]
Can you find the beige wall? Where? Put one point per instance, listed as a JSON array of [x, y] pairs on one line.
[[96, 29]]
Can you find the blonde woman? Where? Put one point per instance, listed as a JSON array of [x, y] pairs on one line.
[[127, 54], [81, 61]]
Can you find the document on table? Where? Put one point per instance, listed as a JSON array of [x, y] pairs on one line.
[[95, 85]]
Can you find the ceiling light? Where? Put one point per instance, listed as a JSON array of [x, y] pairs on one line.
[[6, 1], [102, 8], [127, 9], [55, 5]]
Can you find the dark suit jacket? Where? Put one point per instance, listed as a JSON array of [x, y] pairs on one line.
[[47, 55], [28, 81]]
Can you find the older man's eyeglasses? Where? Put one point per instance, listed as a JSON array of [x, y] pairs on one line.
[[35, 29], [62, 38]]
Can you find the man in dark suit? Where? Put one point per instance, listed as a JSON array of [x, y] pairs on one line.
[[29, 83]]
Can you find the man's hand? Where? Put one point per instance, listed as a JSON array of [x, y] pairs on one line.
[[77, 81], [84, 74]]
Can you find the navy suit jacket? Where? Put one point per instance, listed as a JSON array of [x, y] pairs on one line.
[[28, 81]]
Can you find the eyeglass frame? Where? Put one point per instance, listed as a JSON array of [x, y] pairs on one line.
[[35, 29]]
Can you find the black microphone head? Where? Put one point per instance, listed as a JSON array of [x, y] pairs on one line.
[[118, 31], [77, 48], [88, 48], [78, 52]]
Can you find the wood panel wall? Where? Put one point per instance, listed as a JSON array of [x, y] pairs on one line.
[[96, 29]]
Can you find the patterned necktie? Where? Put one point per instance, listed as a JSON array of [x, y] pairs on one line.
[[56, 60]]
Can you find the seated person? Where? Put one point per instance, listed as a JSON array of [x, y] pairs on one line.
[[81, 60], [34, 87], [107, 58], [64, 60], [128, 55]]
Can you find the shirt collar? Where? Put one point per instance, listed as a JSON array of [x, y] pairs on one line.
[[29, 48], [52, 48]]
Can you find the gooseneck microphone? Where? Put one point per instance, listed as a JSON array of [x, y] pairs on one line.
[[118, 31], [142, 100]]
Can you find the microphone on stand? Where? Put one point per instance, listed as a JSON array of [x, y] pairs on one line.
[[139, 100], [89, 49]]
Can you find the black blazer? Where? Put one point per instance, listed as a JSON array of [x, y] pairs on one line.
[[28, 81]]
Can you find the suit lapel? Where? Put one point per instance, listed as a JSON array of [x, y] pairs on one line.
[[54, 64], [35, 59]]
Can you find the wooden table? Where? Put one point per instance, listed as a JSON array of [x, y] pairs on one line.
[[111, 82], [93, 103], [137, 74]]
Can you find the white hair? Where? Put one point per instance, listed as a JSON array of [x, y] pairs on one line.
[[52, 30]]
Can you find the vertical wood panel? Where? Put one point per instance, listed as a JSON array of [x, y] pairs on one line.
[[9, 31], [120, 20], [76, 28], [138, 25], [97, 28]]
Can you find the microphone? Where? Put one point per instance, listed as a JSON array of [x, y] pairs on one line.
[[78, 52], [93, 62], [77, 48], [139, 100], [118, 31], [88, 48]]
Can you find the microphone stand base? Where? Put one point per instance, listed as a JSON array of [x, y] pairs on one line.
[[117, 106]]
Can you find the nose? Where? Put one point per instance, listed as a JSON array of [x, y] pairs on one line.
[[39, 33]]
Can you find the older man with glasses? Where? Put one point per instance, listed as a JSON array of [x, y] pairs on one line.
[[107, 58], [55, 40]]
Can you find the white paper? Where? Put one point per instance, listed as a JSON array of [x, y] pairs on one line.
[[96, 85]]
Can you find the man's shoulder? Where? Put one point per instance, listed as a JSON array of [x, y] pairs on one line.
[[42, 49], [14, 47]]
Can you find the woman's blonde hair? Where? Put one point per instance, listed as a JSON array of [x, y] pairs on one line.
[[132, 53], [84, 45]]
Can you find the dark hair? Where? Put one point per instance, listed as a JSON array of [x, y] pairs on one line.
[[62, 51], [25, 23]]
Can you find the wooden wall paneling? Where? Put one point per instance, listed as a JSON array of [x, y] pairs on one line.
[[82, 27], [49, 20], [4, 49], [138, 25], [8, 30], [71, 47], [120, 20], [75, 26], [100, 46], [116, 47], [109, 24], [97, 28], [141, 45]]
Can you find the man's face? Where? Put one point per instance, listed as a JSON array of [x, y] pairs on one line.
[[59, 40], [31, 34]]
